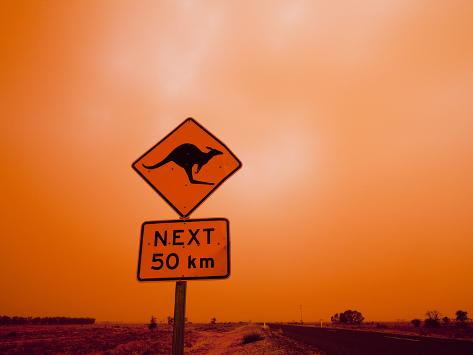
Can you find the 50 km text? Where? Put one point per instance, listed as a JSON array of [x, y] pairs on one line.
[[172, 262]]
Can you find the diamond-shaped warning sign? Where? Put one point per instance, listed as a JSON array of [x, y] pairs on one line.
[[186, 166]]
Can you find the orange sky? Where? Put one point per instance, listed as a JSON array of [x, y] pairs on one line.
[[353, 122]]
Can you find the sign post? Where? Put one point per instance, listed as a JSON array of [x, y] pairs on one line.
[[179, 318], [185, 168]]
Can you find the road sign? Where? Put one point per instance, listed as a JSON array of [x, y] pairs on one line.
[[184, 250], [186, 166]]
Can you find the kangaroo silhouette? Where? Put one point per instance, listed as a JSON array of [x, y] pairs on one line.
[[186, 156]]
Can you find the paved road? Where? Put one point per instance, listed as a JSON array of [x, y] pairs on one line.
[[353, 342]]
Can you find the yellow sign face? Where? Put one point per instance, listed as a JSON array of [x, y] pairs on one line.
[[186, 166], [184, 250]]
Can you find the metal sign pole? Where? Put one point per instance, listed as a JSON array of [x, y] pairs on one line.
[[179, 318]]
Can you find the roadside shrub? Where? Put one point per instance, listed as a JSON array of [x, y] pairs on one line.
[[335, 318], [153, 324], [416, 322], [251, 337]]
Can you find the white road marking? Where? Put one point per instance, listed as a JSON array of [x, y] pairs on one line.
[[408, 339]]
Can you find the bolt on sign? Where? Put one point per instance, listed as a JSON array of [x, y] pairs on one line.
[[184, 250], [186, 166]]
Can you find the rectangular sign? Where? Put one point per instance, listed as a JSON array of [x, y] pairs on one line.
[[184, 250]]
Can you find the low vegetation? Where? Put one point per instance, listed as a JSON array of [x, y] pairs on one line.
[[434, 324], [5, 320], [251, 338], [153, 324], [433, 320]]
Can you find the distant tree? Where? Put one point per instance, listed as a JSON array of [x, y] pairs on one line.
[[348, 317], [352, 317], [213, 320], [461, 316], [446, 320], [416, 322], [153, 324], [432, 320], [5, 320], [170, 320]]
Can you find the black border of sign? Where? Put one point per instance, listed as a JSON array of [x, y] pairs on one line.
[[226, 276], [206, 196]]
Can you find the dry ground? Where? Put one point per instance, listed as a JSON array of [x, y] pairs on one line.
[[229, 341], [137, 339]]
